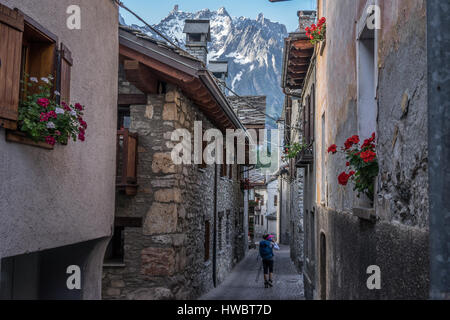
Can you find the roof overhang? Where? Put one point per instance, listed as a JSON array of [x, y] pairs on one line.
[[148, 60], [298, 51]]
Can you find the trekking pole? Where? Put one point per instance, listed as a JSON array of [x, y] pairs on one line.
[[259, 269]]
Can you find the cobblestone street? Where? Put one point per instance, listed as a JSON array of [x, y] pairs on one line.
[[242, 285]]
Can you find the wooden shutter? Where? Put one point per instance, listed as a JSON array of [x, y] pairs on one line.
[[65, 65], [11, 33]]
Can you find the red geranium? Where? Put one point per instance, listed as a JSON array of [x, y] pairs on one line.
[[362, 163], [368, 156], [351, 141], [332, 148], [343, 178]]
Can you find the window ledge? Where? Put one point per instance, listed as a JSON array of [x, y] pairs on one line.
[[367, 214], [20, 137]]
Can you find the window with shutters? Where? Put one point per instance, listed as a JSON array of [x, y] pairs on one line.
[[28, 49]]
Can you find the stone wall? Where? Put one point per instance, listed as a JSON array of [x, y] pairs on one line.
[[297, 228], [165, 259]]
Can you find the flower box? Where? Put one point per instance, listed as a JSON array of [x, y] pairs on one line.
[[22, 138], [305, 157]]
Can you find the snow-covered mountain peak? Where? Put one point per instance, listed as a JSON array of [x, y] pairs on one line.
[[253, 49]]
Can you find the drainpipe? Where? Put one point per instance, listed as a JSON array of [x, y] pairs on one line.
[[215, 229], [438, 46]]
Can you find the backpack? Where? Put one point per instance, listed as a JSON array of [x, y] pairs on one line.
[[265, 250]]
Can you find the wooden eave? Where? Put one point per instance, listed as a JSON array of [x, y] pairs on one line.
[[147, 61], [298, 53]]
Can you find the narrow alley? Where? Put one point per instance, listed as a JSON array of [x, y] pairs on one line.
[[147, 147], [246, 281]]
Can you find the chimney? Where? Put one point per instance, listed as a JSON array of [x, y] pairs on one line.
[[198, 34], [220, 70], [306, 18]]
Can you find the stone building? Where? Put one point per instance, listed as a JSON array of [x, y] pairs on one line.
[[57, 202], [179, 229], [251, 111], [297, 54], [367, 79]]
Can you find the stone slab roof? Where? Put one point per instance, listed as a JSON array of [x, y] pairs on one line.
[[249, 109]]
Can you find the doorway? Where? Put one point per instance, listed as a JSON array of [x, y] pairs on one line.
[[323, 267]]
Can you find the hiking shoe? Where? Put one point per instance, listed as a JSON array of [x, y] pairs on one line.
[[270, 283], [266, 284]]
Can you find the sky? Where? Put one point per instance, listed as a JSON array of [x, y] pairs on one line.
[[153, 11]]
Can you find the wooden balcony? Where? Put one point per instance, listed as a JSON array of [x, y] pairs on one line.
[[126, 178]]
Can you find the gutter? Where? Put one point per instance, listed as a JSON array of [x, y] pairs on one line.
[[212, 86]]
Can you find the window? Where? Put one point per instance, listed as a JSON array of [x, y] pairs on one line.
[[115, 250], [30, 49], [366, 72], [207, 240], [123, 118], [275, 200], [195, 37]]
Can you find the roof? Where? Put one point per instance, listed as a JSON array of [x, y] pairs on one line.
[[251, 110], [149, 59], [197, 26], [298, 51], [218, 66]]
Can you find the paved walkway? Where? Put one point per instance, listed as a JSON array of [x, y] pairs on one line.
[[241, 284]]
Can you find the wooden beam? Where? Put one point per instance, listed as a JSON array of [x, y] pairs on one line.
[[140, 76], [154, 64], [301, 53], [129, 99]]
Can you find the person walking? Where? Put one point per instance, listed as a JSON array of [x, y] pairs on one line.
[[266, 247]]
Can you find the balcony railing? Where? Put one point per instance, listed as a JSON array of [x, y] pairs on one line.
[[126, 179], [305, 157]]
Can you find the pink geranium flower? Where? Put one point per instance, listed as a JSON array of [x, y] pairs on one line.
[[43, 102]]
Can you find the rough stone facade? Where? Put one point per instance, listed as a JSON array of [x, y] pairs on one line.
[[342, 244], [165, 258]]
